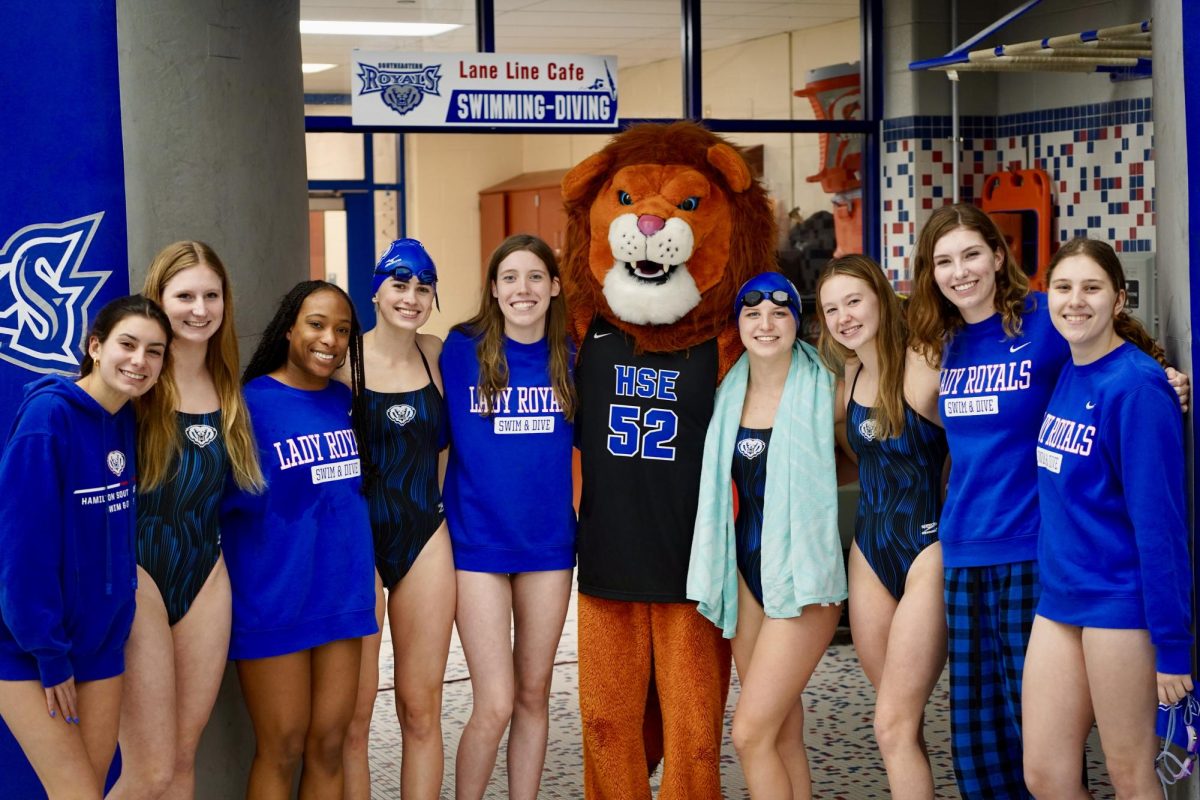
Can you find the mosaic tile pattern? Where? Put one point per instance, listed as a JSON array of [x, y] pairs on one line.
[[1100, 158], [841, 744]]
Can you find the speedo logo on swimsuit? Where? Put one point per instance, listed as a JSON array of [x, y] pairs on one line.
[[401, 414], [929, 528]]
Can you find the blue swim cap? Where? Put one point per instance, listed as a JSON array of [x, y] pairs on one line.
[[404, 260], [773, 286]]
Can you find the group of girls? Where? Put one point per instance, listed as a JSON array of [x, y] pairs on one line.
[[1057, 553], [271, 520], [263, 521]]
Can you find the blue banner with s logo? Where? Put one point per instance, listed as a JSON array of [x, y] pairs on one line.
[[63, 247]]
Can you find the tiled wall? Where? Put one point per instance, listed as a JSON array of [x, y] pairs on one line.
[[1100, 159]]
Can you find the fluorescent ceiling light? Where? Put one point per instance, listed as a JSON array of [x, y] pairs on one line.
[[355, 28], [309, 69]]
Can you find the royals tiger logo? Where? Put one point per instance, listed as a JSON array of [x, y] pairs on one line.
[[45, 294]]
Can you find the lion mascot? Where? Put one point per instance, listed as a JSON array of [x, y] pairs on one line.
[[663, 225]]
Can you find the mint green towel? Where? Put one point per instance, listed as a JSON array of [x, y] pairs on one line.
[[801, 549]]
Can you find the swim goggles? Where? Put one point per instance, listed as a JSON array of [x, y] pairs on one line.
[[1176, 724], [777, 296]]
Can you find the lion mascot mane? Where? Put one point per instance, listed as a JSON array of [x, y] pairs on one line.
[[663, 225]]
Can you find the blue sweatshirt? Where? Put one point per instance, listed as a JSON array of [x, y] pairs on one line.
[[1113, 550], [994, 392], [508, 483], [300, 555], [68, 573]]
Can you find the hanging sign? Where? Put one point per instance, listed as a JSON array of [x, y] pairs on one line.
[[483, 89]]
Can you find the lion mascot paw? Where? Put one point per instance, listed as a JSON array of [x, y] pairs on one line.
[[663, 225]]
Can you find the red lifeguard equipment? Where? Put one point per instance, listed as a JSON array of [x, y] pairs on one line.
[[836, 94]]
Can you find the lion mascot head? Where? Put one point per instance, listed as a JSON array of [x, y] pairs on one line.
[[663, 225]]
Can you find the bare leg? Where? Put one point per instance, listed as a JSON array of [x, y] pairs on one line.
[[540, 602], [201, 648], [871, 613], [1056, 711], [1121, 677], [785, 655], [99, 714], [916, 653], [421, 609], [357, 763], [55, 748], [484, 620], [335, 669], [148, 725], [278, 695]]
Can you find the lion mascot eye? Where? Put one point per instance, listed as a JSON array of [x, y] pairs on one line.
[[624, 199], [689, 205]]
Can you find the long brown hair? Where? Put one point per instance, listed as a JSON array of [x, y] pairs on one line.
[[932, 318], [159, 443], [488, 325], [891, 342], [1128, 328]]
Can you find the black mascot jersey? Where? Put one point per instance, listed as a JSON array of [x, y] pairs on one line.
[[640, 430]]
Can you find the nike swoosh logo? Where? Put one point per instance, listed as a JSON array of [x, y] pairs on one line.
[[599, 335], [1089, 405], [1017, 347]]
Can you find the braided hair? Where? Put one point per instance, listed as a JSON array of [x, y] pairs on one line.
[[272, 353]]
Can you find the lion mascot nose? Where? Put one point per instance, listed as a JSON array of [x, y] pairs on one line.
[[649, 224]]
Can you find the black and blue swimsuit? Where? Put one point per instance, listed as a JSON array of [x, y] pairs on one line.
[[178, 525], [406, 431], [900, 490], [750, 481]]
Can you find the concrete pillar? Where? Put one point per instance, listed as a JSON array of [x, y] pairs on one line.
[[212, 108], [212, 111]]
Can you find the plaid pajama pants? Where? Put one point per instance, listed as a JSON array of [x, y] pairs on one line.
[[990, 613]]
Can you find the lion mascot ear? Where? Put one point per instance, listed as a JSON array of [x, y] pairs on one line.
[[731, 165], [575, 182]]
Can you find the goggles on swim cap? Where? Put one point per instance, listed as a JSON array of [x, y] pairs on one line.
[[771, 286], [404, 260], [777, 296]]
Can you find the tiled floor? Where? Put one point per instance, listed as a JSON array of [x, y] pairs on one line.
[[841, 745]]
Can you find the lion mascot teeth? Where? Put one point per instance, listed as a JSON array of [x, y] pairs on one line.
[[663, 225]]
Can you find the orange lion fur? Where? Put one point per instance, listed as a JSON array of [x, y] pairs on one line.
[[659, 165], [664, 652]]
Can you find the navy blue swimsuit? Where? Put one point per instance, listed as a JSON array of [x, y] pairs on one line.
[[750, 481], [178, 527], [900, 490], [406, 430]]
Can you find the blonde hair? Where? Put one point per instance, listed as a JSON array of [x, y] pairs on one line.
[[891, 341], [159, 443]]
